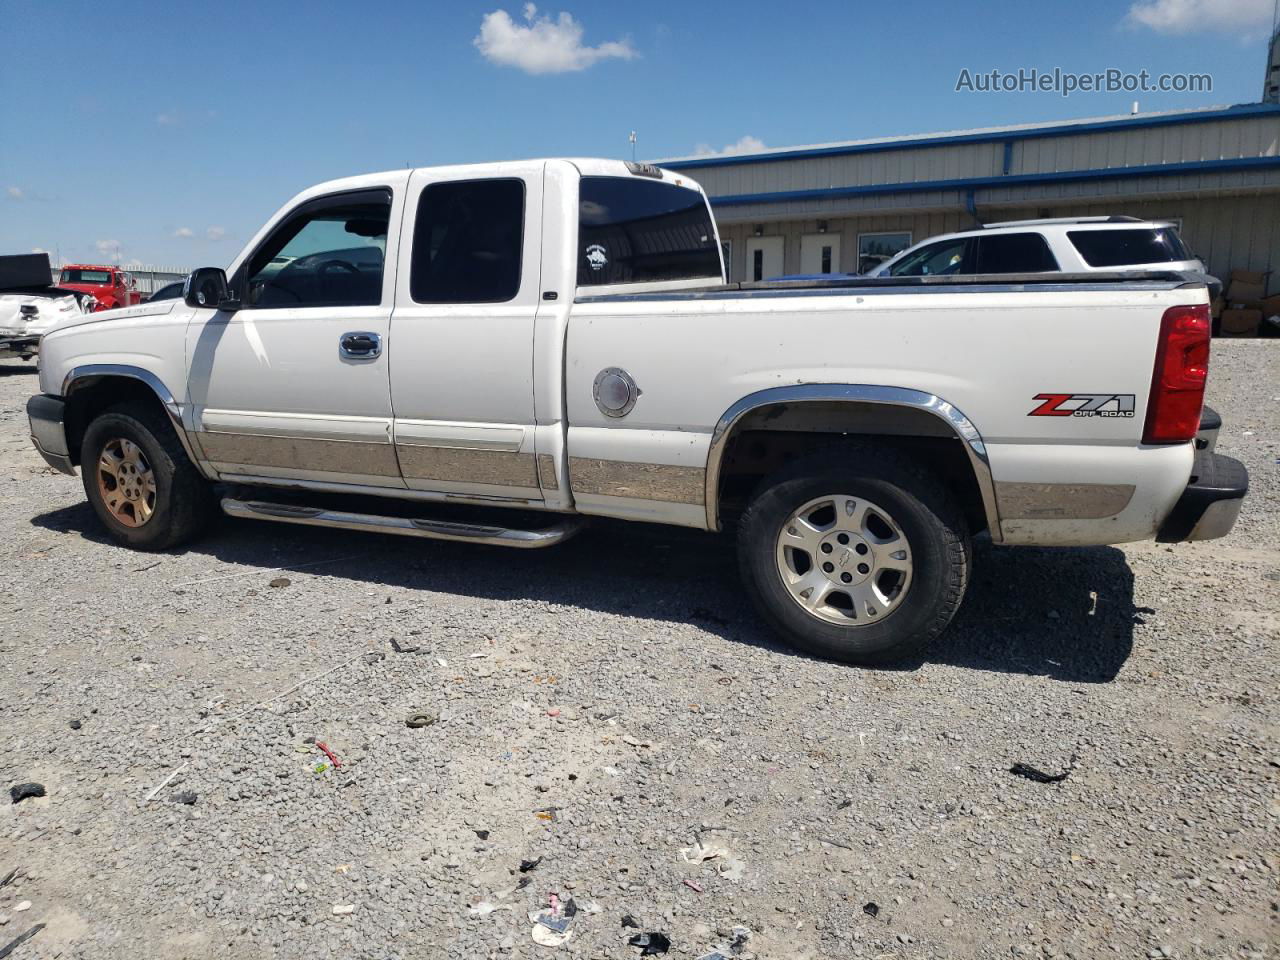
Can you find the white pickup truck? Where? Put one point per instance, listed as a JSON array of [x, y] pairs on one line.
[[557, 336]]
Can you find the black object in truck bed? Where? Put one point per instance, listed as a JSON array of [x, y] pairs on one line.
[[24, 270]]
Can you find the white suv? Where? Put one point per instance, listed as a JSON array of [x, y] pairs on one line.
[[1067, 245]]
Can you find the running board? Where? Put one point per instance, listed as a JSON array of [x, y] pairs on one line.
[[405, 527]]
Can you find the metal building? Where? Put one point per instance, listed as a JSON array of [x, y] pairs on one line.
[[843, 207]]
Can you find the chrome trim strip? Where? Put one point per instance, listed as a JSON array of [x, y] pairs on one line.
[[961, 425], [301, 426], [547, 472], [170, 403], [403, 526], [508, 438], [468, 465], [1062, 501], [639, 481]]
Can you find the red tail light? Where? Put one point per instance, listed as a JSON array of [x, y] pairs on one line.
[[1177, 385]]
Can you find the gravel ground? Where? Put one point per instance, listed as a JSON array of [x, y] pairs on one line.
[[607, 704]]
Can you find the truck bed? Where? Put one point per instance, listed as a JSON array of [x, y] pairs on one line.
[[987, 283]]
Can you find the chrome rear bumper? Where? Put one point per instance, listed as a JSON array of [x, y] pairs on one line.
[[1211, 502]]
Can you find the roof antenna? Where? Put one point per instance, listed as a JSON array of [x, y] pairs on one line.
[[1134, 111], [632, 138]]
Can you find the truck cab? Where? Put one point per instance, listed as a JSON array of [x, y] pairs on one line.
[[109, 285]]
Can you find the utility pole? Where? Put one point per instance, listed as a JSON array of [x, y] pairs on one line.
[[632, 138]]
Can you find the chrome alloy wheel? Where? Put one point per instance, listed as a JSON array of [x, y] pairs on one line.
[[126, 482], [845, 560]]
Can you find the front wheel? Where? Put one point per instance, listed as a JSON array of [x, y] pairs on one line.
[[139, 481], [857, 555]]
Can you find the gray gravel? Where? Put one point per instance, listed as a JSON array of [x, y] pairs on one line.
[[621, 683]]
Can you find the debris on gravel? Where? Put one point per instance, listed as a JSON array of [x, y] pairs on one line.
[[23, 791], [835, 787]]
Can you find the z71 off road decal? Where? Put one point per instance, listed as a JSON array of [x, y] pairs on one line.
[[1083, 405]]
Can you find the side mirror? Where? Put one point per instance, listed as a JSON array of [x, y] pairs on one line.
[[207, 287]]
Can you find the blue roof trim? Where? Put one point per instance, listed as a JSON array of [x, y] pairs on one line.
[[975, 183], [1239, 111]]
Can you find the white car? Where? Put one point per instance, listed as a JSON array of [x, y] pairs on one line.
[[557, 336], [1066, 245]]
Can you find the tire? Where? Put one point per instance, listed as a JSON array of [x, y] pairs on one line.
[[159, 498], [917, 555]]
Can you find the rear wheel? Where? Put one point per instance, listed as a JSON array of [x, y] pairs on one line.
[[141, 484], [855, 554]]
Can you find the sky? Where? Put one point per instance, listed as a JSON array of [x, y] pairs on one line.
[[168, 133]]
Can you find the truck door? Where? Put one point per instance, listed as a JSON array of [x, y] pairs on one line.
[[463, 329], [294, 384]]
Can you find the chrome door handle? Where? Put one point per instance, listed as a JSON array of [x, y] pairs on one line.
[[360, 345]]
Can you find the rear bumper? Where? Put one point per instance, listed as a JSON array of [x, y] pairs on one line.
[[1211, 502], [45, 415]]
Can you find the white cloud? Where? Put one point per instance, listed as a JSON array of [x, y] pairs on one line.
[[745, 144], [184, 233], [1187, 16], [108, 248], [542, 45], [216, 233], [15, 193], [167, 119]]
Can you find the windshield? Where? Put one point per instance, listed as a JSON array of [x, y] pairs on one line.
[[1121, 248], [76, 275]]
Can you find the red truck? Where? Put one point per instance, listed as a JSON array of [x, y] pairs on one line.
[[111, 286]]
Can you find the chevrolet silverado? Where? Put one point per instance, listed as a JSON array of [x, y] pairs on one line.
[[557, 336]]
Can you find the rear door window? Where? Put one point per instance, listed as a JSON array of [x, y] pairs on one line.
[[633, 230], [1130, 247], [1014, 253], [467, 242]]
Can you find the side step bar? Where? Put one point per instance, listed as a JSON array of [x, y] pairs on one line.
[[405, 527]]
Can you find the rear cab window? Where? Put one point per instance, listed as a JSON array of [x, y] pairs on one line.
[[637, 230], [1129, 247]]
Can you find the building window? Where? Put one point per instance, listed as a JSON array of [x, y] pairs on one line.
[[757, 264], [826, 259], [875, 248]]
